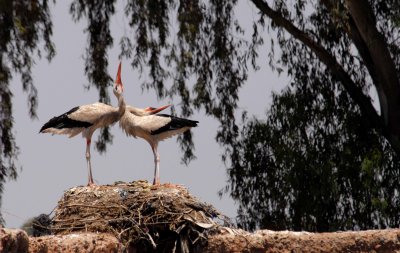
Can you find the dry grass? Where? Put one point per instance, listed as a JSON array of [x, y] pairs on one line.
[[165, 218]]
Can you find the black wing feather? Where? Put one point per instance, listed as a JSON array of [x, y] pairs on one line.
[[175, 124], [63, 121]]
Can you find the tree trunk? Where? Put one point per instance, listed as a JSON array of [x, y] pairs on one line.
[[387, 83], [374, 51]]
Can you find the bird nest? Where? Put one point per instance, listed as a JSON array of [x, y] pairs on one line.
[[163, 218]]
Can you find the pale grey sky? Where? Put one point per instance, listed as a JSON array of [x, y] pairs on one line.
[[53, 164]]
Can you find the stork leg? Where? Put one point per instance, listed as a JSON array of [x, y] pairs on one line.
[[89, 165], [156, 180]]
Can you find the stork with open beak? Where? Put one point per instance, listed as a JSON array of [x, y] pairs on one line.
[[154, 128], [86, 119]]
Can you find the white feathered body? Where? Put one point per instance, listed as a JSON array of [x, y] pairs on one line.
[[154, 128], [83, 119]]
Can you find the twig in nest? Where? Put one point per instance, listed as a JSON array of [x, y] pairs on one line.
[[151, 241]]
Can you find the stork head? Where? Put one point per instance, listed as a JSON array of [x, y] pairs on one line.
[[152, 110], [118, 88]]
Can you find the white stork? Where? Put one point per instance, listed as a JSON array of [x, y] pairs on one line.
[[154, 128], [86, 119]]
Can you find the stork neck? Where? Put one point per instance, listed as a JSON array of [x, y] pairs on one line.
[[135, 111], [121, 105]]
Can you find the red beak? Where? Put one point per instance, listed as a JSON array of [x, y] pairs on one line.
[[118, 79], [153, 110]]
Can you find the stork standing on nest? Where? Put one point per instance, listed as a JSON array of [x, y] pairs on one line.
[[86, 119], [154, 128]]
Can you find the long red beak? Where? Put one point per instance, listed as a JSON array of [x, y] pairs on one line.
[[118, 79], [153, 110]]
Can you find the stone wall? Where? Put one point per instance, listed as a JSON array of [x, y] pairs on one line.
[[227, 240]]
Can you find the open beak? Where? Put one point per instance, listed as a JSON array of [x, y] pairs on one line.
[[152, 110], [118, 79]]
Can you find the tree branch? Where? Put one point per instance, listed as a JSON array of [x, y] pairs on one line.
[[336, 69], [383, 64], [353, 32]]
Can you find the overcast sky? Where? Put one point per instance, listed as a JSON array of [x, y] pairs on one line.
[[53, 164]]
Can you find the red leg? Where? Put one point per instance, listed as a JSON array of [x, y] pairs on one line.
[[89, 165], [156, 180]]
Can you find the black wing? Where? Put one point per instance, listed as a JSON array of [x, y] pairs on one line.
[[63, 121], [175, 124]]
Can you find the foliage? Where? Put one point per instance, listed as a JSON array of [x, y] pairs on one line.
[[323, 159], [205, 61], [306, 167], [204, 47], [24, 26], [98, 14]]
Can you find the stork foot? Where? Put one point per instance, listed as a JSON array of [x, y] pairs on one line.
[[156, 180], [91, 184]]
